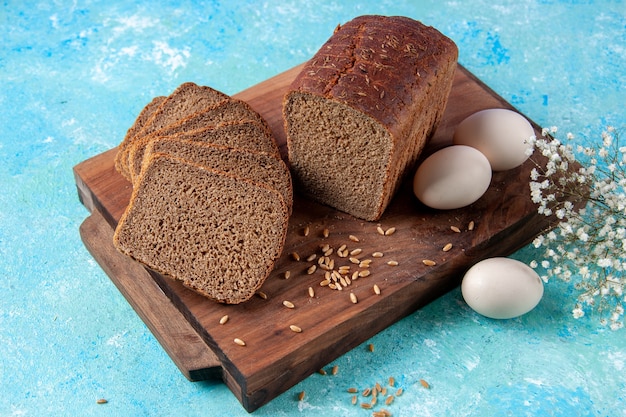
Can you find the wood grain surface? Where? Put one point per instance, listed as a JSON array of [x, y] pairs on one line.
[[275, 358]]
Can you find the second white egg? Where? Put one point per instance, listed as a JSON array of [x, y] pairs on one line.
[[501, 134], [452, 177]]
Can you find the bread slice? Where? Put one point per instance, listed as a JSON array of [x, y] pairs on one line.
[[254, 166], [218, 234], [361, 110], [229, 112], [121, 163], [187, 99]]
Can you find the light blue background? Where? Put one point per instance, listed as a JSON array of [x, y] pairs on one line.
[[73, 77]]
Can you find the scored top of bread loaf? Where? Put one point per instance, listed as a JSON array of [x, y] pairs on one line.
[[217, 233], [376, 64]]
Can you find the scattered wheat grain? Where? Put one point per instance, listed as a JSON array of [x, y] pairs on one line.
[[101, 401], [295, 256], [455, 229], [380, 231], [376, 289], [377, 255], [428, 262], [295, 328], [239, 342], [447, 247], [311, 292], [353, 238], [355, 252], [301, 396], [392, 263], [365, 263], [390, 231], [353, 298], [424, 384], [288, 304], [224, 319], [335, 369], [471, 225]]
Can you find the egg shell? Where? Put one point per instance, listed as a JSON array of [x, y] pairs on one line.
[[501, 134], [451, 178], [501, 288]]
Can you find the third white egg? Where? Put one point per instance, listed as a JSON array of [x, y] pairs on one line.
[[501, 288]]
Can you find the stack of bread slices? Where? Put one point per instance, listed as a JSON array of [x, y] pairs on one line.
[[211, 195]]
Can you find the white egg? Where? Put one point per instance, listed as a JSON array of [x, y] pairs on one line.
[[452, 177], [501, 288], [501, 134]]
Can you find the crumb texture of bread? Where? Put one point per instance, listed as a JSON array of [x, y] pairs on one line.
[[218, 234], [361, 110], [209, 121], [121, 162], [254, 166]]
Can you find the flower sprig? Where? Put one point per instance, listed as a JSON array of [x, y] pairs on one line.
[[584, 189]]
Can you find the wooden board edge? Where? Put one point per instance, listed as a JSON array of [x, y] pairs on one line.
[[185, 347]]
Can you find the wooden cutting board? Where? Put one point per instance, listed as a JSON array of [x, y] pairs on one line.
[[275, 358]]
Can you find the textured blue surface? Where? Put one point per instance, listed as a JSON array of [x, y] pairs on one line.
[[74, 75]]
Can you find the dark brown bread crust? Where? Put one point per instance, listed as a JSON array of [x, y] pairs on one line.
[[394, 71], [379, 65]]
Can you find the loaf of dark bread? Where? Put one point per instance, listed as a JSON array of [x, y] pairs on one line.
[[361, 110]]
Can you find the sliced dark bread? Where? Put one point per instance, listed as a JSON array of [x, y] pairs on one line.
[[217, 233], [255, 166], [187, 99], [231, 111], [121, 163]]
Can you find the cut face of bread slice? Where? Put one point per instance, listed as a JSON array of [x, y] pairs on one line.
[[121, 161], [231, 111], [255, 166], [339, 155], [218, 234], [248, 134], [187, 99]]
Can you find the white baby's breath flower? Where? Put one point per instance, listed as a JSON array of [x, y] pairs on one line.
[[578, 312], [588, 202]]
